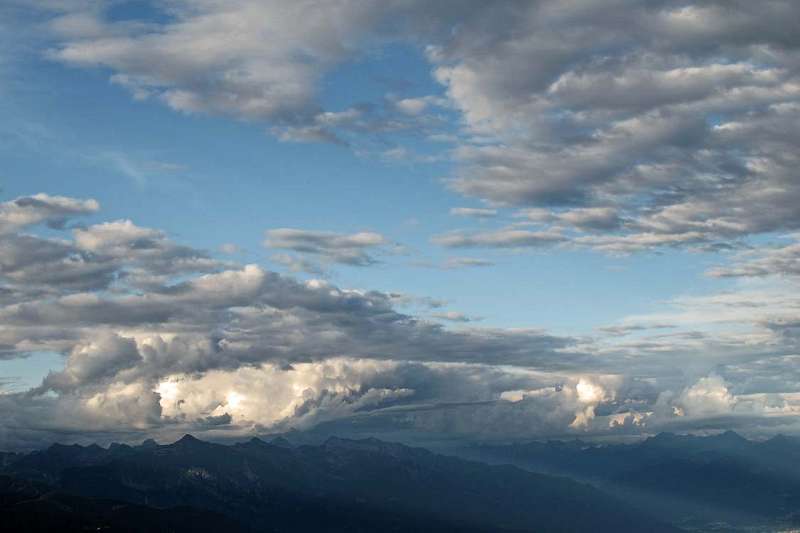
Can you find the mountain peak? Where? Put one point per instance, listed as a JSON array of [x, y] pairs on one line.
[[281, 442], [369, 444], [149, 444], [254, 442], [664, 436], [59, 446], [732, 436], [188, 439], [339, 442]]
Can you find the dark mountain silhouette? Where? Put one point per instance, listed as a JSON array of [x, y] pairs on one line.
[[32, 507], [341, 485], [723, 476]]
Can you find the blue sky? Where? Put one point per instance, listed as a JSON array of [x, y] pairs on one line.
[[634, 183], [209, 181]]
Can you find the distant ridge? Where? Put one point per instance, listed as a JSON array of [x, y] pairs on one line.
[[340, 485], [717, 476]]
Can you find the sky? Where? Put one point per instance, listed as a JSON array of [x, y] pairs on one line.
[[428, 220]]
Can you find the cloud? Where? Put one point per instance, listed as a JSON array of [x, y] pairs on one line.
[[620, 126], [504, 238], [680, 133], [123, 240], [230, 248], [626, 329], [763, 261], [465, 262], [93, 361], [187, 310], [583, 219], [454, 316], [329, 246], [473, 212], [36, 265], [99, 255], [203, 70], [208, 347], [185, 59], [218, 347], [298, 264], [415, 106], [677, 125], [455, 263], [709, 396], [42, 208]]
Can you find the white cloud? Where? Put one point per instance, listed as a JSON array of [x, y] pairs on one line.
[[709, 396], [42, 208]]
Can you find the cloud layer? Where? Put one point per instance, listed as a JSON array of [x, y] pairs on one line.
[[621, 126], [161, 338], [645, 124]]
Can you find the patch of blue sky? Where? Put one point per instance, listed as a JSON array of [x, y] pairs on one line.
[[209, 180], [20, 374]]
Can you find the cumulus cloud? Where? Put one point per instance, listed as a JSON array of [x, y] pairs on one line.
[[122, 339], [42, 208], [98, 257], [216, 347], [94, 360], [709, 396]]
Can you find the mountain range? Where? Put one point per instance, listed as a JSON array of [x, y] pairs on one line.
[[340, 485], [721, 479]]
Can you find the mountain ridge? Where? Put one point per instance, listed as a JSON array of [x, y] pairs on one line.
[[266, 486]]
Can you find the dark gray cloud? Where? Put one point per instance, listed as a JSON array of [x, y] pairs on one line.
[[36, 264]]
